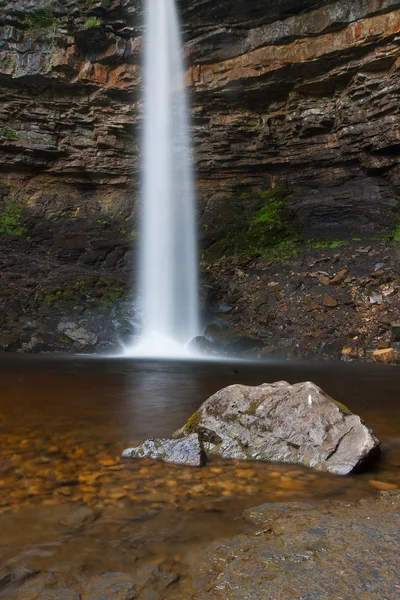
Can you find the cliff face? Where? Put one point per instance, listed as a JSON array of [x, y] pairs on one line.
[[309, 103], [296, 95], [300, 94]]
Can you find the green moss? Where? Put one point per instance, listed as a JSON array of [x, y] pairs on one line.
[[107, 304], [343, 407], [270, 215], [91, 22], [253, 224], [193, 422], [283, 250], [129, 235], [11, 218], [83, 283], [8, 134], [42, 19], [395, 234], [328, 243], [49, 298]]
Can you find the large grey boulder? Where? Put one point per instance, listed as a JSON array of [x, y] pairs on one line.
[[282, 422], [184, 451]]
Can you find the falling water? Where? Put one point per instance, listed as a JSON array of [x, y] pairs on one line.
[[168, 247]]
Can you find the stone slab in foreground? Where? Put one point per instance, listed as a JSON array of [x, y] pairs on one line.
[[339, 550], [184, 451], [282, 422]]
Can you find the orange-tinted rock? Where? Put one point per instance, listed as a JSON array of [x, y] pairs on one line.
[[339, 277], [330, 302], [385, 355], [383, 485]]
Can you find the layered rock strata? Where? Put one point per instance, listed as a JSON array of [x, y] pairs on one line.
[[298, 94], [301, 96]]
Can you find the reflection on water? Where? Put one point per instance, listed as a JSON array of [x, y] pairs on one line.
[[64, 423]]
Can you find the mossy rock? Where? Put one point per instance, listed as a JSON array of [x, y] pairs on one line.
[[192, 423]]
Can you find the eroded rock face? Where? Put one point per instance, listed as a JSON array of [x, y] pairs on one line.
[[282, 422], [185, 451], [297, 93]]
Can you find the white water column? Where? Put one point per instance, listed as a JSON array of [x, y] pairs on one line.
[[168, 264]]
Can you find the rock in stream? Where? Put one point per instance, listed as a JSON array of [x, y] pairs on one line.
[[184, 451], [272, 422]]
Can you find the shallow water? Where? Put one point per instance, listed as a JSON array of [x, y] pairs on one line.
[[65, 421]]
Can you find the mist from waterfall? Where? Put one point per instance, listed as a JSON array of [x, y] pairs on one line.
[[168, 278]]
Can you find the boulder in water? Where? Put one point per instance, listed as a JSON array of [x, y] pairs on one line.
[[183, 451], [282, 422]]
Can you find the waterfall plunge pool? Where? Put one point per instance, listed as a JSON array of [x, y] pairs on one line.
[[65, 420]]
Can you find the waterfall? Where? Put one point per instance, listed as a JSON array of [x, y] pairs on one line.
[[167, 283]]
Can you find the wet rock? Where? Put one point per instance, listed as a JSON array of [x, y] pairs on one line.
[[16, 577], [265, 513], [324, 279], [244, 346], [385, 355], [379, 266], [79, 518], [78, 334], [336, 551], [229, 340], [65, 594], [202, 344], [376, 298], [330, 302], [220, 335], [396, 331], [223, 309], [9, 342], [339, 278], [118, 586], [207, 299], [183, 451], [286, 423], [112, 259], [350, 351]]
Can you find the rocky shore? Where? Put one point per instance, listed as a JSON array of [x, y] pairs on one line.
[[301, 552], [341, 301], [337, 303], [291, 551]]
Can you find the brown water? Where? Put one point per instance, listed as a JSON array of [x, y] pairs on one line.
[[63, 425]]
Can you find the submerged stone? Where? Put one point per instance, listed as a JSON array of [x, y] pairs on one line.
[[285, 423], [183, 451]]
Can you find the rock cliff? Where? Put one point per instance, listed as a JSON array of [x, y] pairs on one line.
[[296, 95]]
